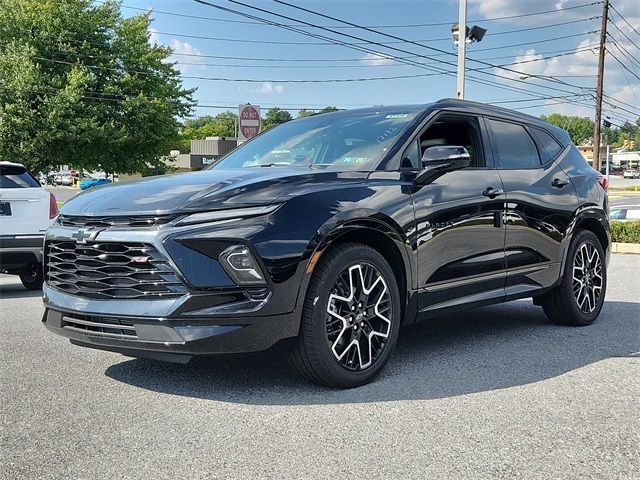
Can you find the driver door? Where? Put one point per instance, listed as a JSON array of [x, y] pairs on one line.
[[460, 233]]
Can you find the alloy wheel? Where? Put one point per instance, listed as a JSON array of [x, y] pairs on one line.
[[587, 277], [358, 316]]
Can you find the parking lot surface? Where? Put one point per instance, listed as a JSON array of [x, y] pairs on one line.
[[493, 393]]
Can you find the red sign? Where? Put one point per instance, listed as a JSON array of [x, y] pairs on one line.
[[249, 118]]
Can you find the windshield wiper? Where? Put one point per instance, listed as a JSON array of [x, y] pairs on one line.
[[273, 165]]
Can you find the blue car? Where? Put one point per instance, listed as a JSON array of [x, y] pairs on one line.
[[93, 182]]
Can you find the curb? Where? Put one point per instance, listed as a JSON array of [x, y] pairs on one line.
[[625, 247]]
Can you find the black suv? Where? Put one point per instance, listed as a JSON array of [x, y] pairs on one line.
[[331, 232]]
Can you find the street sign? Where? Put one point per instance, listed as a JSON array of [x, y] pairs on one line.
[[249, 122]]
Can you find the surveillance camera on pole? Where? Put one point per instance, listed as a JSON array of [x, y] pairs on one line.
[[473, 34]]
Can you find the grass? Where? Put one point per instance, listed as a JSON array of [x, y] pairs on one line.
[[630, 188]]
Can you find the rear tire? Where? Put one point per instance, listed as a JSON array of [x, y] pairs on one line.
[[578, 299], [350, 319], [33, 279]]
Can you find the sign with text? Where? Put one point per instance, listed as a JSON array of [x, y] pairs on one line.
[[249, 122]]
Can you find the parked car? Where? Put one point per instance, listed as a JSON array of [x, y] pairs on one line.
[[625, 213], [93, 182], [631, 173], [393, 215], [26, 209], [613, 170]]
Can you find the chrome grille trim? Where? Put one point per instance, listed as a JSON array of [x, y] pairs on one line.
[[105, 221], [110, 270]]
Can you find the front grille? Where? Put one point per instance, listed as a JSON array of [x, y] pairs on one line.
[[105, 270], [114, 220], [102, 326]]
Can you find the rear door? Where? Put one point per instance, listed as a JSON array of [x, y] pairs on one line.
[[24, 204], [540, 203]]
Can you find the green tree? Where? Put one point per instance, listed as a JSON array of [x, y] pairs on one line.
[[328, 110], [275, 116], [81, 85], [580, 128], [222, 125], [306, 113]]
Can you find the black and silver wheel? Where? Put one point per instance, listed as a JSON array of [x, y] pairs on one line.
[[350, 320], [32, 278], [580, 296]]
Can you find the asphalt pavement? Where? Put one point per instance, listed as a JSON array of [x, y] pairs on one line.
[[497, 392]]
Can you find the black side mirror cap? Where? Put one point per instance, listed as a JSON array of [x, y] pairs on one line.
[[441, 159]]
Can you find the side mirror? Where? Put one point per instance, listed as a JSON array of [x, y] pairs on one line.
[[438, 160]]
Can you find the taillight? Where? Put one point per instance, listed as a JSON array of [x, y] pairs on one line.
[[53, 206], [604, 183]]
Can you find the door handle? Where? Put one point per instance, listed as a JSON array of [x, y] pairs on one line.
[[492, 192], [559, 182]]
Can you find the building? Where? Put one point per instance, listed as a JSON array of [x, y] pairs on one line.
[[204, 153], [626, 159], [587, 152]]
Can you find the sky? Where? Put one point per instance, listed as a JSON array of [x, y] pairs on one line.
[[274, 58]]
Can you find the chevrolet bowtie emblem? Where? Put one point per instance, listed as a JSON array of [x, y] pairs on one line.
[[82, 235]]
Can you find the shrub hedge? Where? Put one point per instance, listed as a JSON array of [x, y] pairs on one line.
[[625, 232]]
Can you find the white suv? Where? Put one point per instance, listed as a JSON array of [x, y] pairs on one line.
[[26, 210]]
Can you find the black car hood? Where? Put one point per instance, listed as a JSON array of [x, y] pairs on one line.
[[205, 190]]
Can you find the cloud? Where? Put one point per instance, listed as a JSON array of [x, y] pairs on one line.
[[580, 68], [268, 88], [376, 59], [507, 8], [178, 47]]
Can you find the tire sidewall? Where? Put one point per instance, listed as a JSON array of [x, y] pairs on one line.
[[353, 255]]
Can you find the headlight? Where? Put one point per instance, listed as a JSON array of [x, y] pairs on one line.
[[239, 263], [217, 215]]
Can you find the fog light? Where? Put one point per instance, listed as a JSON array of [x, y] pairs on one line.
[[241, 266]]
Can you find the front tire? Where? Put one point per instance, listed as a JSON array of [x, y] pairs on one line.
[[578, 299], [350, 320], [33, 279]]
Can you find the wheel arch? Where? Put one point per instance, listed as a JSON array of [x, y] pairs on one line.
[[385, 237], [596, 221]]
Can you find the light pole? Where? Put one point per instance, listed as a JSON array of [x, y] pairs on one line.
[[469, 35], [462, 47]]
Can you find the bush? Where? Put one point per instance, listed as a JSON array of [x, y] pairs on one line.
[[625, 232]]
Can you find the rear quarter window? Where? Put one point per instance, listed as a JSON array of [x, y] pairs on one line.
[[550, 148], [12, 176]]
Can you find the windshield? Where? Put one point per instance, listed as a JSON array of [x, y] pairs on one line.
[[342, 141]]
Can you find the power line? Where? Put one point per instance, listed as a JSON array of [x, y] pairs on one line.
[[624, 52], [611, 22], [274, 23], [439, 39], [406, 25], [541, 77], [625, 20], [623, 65], [250, 80]]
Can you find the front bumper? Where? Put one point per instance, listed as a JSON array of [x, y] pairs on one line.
[[166, 338], [196, 320]]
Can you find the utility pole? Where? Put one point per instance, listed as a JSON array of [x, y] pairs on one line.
[[599, 86], [462, 47]]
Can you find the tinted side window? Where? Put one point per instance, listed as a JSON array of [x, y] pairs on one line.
[[16, 177], [548, 143], [411, 157], [513, 147]]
